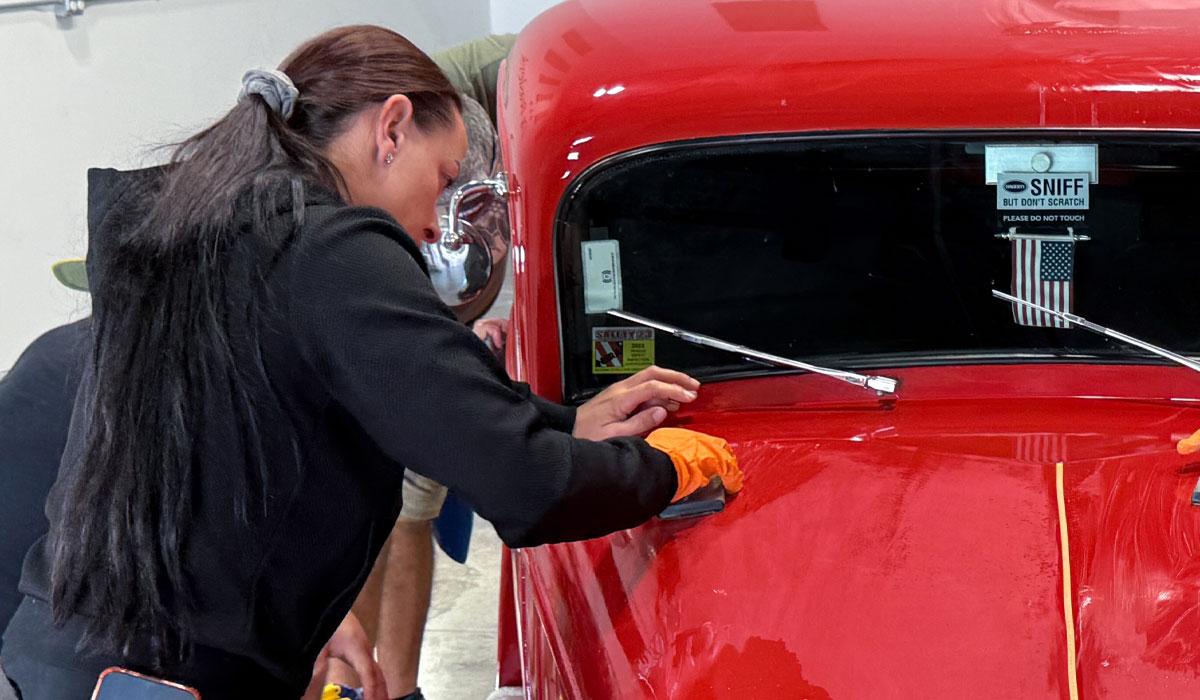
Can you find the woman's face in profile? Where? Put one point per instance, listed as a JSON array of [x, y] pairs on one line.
[[422, 170]]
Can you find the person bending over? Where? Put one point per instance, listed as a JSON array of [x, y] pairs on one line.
[[268, 357]]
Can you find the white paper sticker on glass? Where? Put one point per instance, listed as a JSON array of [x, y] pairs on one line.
[[1042, 191], [601, 276]]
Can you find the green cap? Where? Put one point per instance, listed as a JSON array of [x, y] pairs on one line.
[[72, 273]]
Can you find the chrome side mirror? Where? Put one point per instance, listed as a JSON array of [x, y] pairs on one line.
[[467, 265], [498, 185], [460, 274]]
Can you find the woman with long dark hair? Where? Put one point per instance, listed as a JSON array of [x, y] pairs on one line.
[[269, 356]]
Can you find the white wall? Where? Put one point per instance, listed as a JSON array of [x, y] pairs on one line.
[[103, 88], [509, 16]]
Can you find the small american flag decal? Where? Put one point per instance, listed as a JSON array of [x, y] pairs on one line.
[[1042, 274]]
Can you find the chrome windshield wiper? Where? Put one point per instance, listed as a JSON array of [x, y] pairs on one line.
[[1096, 328], [883, 385], [1116, 335]]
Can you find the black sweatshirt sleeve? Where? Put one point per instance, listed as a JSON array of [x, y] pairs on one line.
[[434, 399], [558, 416]]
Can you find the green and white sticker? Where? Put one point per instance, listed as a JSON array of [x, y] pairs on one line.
[[622, 350]]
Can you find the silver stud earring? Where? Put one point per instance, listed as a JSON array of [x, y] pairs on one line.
[[388, 159]]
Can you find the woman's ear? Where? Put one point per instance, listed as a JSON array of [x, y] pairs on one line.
[[393, 127]]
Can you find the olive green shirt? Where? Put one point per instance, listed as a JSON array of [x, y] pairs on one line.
[[473, 67]]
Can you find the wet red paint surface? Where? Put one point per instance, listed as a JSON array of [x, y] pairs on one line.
[[902, 549]]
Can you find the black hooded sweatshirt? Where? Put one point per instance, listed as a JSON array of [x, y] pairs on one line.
[[365, 373], [35, 411]]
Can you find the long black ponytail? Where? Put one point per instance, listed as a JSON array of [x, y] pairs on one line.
[[163, 351]]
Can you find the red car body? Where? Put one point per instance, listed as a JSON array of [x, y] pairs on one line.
[[997, 530]]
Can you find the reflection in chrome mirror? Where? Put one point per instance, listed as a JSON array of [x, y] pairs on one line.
[[453, 235], [466, 265], [459, 273]]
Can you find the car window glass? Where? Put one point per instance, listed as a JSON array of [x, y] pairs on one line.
[[870, 251]]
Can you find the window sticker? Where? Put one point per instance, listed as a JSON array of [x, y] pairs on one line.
[[1042, 199], [622, 350], [1054, 191], [601, 276]]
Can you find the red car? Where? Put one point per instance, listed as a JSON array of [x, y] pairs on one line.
[[846, 183]]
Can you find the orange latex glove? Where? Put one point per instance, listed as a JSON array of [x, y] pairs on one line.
[[1189, 445], [697, 458]]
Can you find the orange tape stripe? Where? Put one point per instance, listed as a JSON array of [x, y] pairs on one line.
[[1068, 598]]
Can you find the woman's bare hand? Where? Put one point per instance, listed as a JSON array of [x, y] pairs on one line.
[[636, 405]]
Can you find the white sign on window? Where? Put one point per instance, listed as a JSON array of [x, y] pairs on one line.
[[601, 276]]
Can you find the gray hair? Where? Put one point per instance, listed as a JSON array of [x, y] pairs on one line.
[[483, 152]]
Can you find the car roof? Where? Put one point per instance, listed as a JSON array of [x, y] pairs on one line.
[[633, 72]]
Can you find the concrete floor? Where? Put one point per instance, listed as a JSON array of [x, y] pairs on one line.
[[458, 659]]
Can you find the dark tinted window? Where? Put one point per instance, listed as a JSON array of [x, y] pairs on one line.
[[875, 252]]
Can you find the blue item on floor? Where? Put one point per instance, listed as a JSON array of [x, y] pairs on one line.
[[452, 529]]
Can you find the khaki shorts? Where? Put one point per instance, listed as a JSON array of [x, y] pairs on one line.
[[422, 497]]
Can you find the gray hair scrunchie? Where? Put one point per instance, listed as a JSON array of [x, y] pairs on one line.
[[272, 85]]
